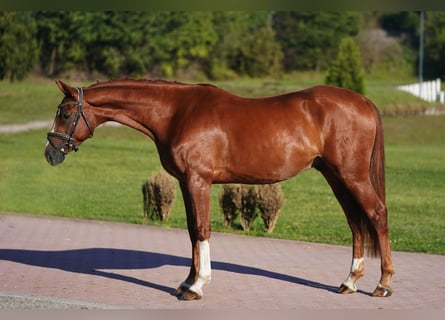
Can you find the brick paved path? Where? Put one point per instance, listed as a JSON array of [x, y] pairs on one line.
[[57, 263]]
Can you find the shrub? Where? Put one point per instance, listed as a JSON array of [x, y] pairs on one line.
[[248, 206], [346, 70], [230, 202], [159, 193], [269, 201], [247, 200]]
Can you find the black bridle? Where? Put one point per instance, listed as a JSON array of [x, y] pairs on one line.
[[68, 139]]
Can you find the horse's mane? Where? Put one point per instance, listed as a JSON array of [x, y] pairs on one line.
[[129, 81]]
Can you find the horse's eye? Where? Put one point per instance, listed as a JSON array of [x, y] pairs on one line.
[[66, 116]]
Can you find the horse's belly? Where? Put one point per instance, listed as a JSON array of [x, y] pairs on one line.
[[266, 167]]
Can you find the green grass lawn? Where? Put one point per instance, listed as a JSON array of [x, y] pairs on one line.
[[28, 101], [103, 181]]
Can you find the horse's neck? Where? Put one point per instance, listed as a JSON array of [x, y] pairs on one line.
[[144, 108]]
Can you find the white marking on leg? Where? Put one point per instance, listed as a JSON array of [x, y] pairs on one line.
[[351, 279], [204, 274], [356, 264]]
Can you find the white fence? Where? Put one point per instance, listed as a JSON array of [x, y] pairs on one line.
[[427, 90]]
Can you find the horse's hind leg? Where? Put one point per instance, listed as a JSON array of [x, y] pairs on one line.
[[352, 211], [377, 224]]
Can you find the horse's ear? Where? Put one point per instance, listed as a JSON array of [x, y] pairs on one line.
[[66, 89]]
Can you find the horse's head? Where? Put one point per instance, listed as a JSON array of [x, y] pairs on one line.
[[71, 125]]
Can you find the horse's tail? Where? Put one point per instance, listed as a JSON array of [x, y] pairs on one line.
[[377, 175], [377, 166]]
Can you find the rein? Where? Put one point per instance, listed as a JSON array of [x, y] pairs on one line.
[[68, 139]]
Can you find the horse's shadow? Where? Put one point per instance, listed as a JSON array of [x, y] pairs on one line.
[[94, 261]]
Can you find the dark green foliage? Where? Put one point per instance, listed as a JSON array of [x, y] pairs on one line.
[[112, 43], [435, 44], [62, 39], [403, 21], [18, 45], [309, 39], [259, 55], [166, 43], [246, 46], [203, 44], [405, 25], [182, 40], [158, 194], [346, 70]]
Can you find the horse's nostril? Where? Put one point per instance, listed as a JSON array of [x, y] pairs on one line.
[[48, 157], [53, 157]]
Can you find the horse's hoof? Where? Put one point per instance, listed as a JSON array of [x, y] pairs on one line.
[[382, 291], [189, 295], [345, 289], [180, 291], [177, 292]]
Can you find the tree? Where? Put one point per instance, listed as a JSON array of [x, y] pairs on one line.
[[346, 70], [259, 54], [400, 22], [61, 40], [122, 43], [18, 47], [309, 39], [231, 28], [182, 40], [119, 43], [246, 45], [435, 44], [112, 43]]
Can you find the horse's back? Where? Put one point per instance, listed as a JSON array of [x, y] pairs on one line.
[[263, 140], [331, 99]]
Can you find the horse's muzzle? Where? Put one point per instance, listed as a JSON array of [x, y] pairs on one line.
[[54, 156]]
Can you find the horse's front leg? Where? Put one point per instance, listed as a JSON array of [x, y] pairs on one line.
[[196, 194], [357, 266]]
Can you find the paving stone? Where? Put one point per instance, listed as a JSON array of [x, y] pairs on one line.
[[60, 263]]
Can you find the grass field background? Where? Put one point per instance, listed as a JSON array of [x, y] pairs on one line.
[[103, 180]]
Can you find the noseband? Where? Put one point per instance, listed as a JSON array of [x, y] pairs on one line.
[[68, 139]]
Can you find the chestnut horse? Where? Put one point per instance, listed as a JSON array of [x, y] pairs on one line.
[[205, 135]]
